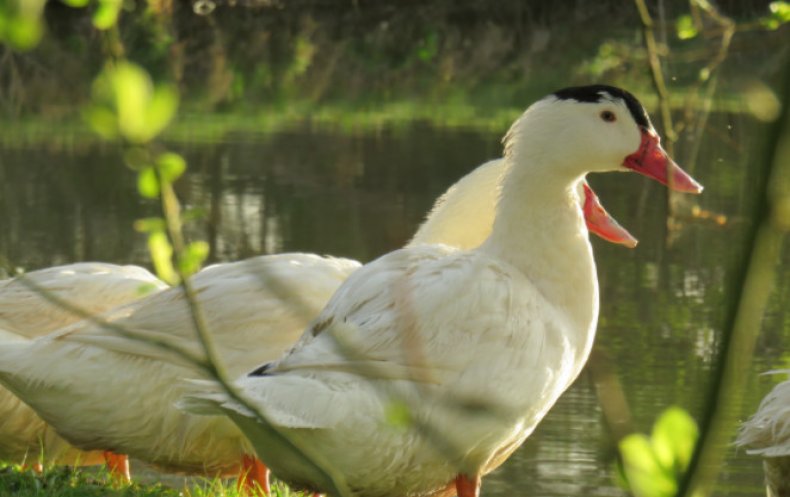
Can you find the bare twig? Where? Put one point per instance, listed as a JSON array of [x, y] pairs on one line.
[[707, 75], [658, 75], [663, 102]]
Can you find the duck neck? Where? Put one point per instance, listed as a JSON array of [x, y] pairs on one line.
[[539, 228]]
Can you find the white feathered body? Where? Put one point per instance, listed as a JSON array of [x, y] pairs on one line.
[[105, 391], [767, 432], [26, 312], [463, 216], [92, 287], [474, 383], [24, 436]]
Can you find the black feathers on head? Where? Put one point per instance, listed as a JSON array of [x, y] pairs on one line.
[[594, 93]]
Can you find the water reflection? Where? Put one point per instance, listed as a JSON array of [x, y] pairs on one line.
[[360, 195]]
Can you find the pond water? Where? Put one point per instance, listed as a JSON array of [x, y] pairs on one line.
[[361, 194]]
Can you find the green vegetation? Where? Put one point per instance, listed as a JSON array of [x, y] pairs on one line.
[[267, 66], [652, 467], [69, 482]]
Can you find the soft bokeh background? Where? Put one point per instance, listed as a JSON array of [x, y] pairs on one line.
[[331, 127]]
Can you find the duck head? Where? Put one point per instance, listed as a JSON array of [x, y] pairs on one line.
[[596, 128]]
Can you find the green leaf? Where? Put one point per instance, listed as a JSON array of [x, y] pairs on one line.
[[102, 120], [148, 183], [192, 258], [24, 33], [685, 27], [150, 225], [137, 158], [76, 3], [132, 90], [780, 14], [780, 11], [674, 436], [398, 414], [21, 23], [161, 108], [106, 14], [646, 477], [125, 102], [171, 166], [653, 466], [146, 289]]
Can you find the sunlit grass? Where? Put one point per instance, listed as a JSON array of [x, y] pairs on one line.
[[63, 481]]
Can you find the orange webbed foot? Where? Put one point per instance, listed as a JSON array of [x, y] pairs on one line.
[[254, 477], [37, 467], [118, 465], [466, 486]]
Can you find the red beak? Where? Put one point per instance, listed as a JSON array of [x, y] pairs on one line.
[[602, 224], [652, 161]]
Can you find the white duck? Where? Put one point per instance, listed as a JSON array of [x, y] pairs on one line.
[[471, 347], [25, 312], [91, 371], [767, 434], [266, 300], [91, 287]]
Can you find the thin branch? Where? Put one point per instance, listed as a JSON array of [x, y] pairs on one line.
[[708, 75], [663, 104], [658, 75], [171, 213], [99, 320]]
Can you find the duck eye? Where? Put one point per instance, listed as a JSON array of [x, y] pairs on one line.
[[608, 116]]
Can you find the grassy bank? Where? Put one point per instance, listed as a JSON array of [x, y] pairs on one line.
[[349, 117], [64, 481]]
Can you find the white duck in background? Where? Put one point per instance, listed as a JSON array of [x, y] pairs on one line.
[[25, 312], [92, 287], [462, 216], [265, 301], [471, 347], [767, 434], [92, 373]]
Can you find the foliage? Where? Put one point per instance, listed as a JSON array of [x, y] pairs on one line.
[[652, 466], [685, 27], [64, 481], [21, 25], [780, 14], [126, 104], [301, 60]]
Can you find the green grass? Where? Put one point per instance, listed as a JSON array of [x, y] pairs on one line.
[[63, 481]]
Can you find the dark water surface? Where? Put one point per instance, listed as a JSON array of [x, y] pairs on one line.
[[362, 194]]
